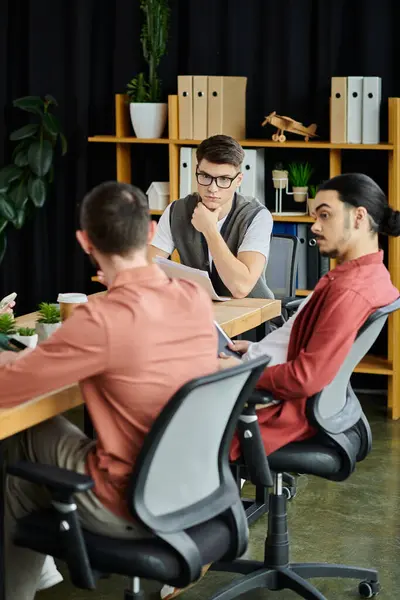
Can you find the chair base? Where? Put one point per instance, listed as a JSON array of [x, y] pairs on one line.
[[293, 577]]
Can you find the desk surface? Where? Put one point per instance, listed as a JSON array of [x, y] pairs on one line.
[[234, 316]]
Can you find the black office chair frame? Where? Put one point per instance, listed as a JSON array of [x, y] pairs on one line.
[[343, 438]]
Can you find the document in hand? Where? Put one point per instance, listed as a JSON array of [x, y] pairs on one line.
[[174, 269]]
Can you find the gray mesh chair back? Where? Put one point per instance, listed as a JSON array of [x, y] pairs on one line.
[[336, 408], [182, 476], [282, 265]]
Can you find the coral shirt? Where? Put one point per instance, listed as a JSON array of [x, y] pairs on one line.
[[131, 350], [320, 339]]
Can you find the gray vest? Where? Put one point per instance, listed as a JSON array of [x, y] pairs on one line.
[[192, 246]]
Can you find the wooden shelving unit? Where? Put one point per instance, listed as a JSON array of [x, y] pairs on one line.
[[122, 139]]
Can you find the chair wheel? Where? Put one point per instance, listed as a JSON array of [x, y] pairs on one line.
[[289, 492], [369, 589]]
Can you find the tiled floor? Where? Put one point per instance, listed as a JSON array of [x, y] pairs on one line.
[[353, 522]]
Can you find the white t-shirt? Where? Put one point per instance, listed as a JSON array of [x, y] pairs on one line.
[[256, 239], [276, 343]]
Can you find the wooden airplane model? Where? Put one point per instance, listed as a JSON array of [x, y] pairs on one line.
[[287, 124]]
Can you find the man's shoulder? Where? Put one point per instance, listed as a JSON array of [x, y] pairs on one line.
[[181, 206], [252, 203]]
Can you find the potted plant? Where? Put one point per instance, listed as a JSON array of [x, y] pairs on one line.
[[49, 320], [312, 191], [148, 113], [25, 183], [27, 336], [7, 324], [299, 177], [279, 176]]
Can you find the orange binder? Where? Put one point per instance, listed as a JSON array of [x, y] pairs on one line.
[[227, 106], [339, 110], [185, 106]]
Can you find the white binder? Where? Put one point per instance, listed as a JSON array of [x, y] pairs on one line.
[[302, 250], [185, 172], [372, 94], [253, 169], [354, 109]]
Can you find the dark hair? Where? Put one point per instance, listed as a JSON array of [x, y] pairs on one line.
[[220, 149], [116, 218], [357, 189]]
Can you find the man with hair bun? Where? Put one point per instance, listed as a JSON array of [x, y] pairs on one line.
[[350, 211]]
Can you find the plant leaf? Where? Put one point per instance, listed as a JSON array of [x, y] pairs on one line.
[[20, 219], [37, 191], [3, 245], [7, 210], [64, 144], [26, 131], [40, 156], [21, 158], [3, 224], [23, 145], [8, 174], [18, 195], [33, 104], [51, 124]]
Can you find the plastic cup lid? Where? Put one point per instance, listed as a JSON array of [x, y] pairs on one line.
[[72, 298]]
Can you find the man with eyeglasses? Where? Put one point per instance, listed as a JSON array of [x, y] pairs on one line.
[[217, 229]]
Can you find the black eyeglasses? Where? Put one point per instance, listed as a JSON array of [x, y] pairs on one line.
[[224, 182]]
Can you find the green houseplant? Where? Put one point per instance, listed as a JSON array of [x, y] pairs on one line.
[[7, 324], [299, 177], [48, 321], [148, 113], [24, 184], [27, 336]]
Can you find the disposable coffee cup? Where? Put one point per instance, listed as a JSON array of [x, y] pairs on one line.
[[68, 303]]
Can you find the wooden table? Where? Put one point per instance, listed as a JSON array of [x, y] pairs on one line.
[[234, 316]]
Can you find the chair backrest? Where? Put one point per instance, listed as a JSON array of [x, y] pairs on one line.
[[336, 408], [282, 265], [182, 477]]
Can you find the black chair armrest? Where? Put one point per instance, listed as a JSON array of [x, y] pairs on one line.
[[261, 397], [62, 485], [292, 304], [62, 480]]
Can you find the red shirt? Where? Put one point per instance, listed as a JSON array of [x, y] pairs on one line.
[[320, 340], [131, 350]]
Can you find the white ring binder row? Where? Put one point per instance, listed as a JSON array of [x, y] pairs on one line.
[[284, 185]]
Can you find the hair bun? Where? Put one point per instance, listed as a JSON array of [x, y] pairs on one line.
[[391, 222]]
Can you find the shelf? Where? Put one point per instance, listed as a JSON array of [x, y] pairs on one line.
[[303, 292], [153, 211], [246, 143], [113, 139], [293, 219], [374, 365], [293, 144]]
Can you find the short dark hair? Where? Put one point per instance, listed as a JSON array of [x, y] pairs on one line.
[[116, 217], [357, 189], [220, 149]]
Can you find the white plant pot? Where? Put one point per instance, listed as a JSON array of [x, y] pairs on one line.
[[279, 179], [30, 341], [44, 330], [300, 194], [148, 118]]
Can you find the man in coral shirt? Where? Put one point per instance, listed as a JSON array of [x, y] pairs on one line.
[[130, 350], [308, 351]]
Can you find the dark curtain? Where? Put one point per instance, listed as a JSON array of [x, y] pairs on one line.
[[84, 51]]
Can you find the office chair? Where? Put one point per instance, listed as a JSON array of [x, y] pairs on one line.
[[281, 273], [343, 438], [181, 489]]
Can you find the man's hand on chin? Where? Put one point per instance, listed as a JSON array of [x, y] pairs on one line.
[[204, 219]]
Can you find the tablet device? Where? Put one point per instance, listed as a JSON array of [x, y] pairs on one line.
[[223, 341]]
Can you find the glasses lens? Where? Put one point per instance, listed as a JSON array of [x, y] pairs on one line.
[[224, 182], [203, 179]]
